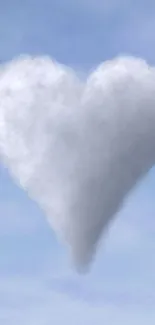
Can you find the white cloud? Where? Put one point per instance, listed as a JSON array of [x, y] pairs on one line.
[[77, 148]]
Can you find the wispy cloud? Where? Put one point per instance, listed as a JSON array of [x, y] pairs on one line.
[[101, 296], [29, 301]]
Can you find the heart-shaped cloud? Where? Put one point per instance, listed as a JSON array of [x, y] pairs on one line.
[[77, 147]]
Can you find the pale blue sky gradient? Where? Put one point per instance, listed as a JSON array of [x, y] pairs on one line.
[[37, 285]]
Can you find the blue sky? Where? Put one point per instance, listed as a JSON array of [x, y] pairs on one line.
[[37, 285]]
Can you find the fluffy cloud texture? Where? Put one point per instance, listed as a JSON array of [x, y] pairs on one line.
[[77, 146]]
